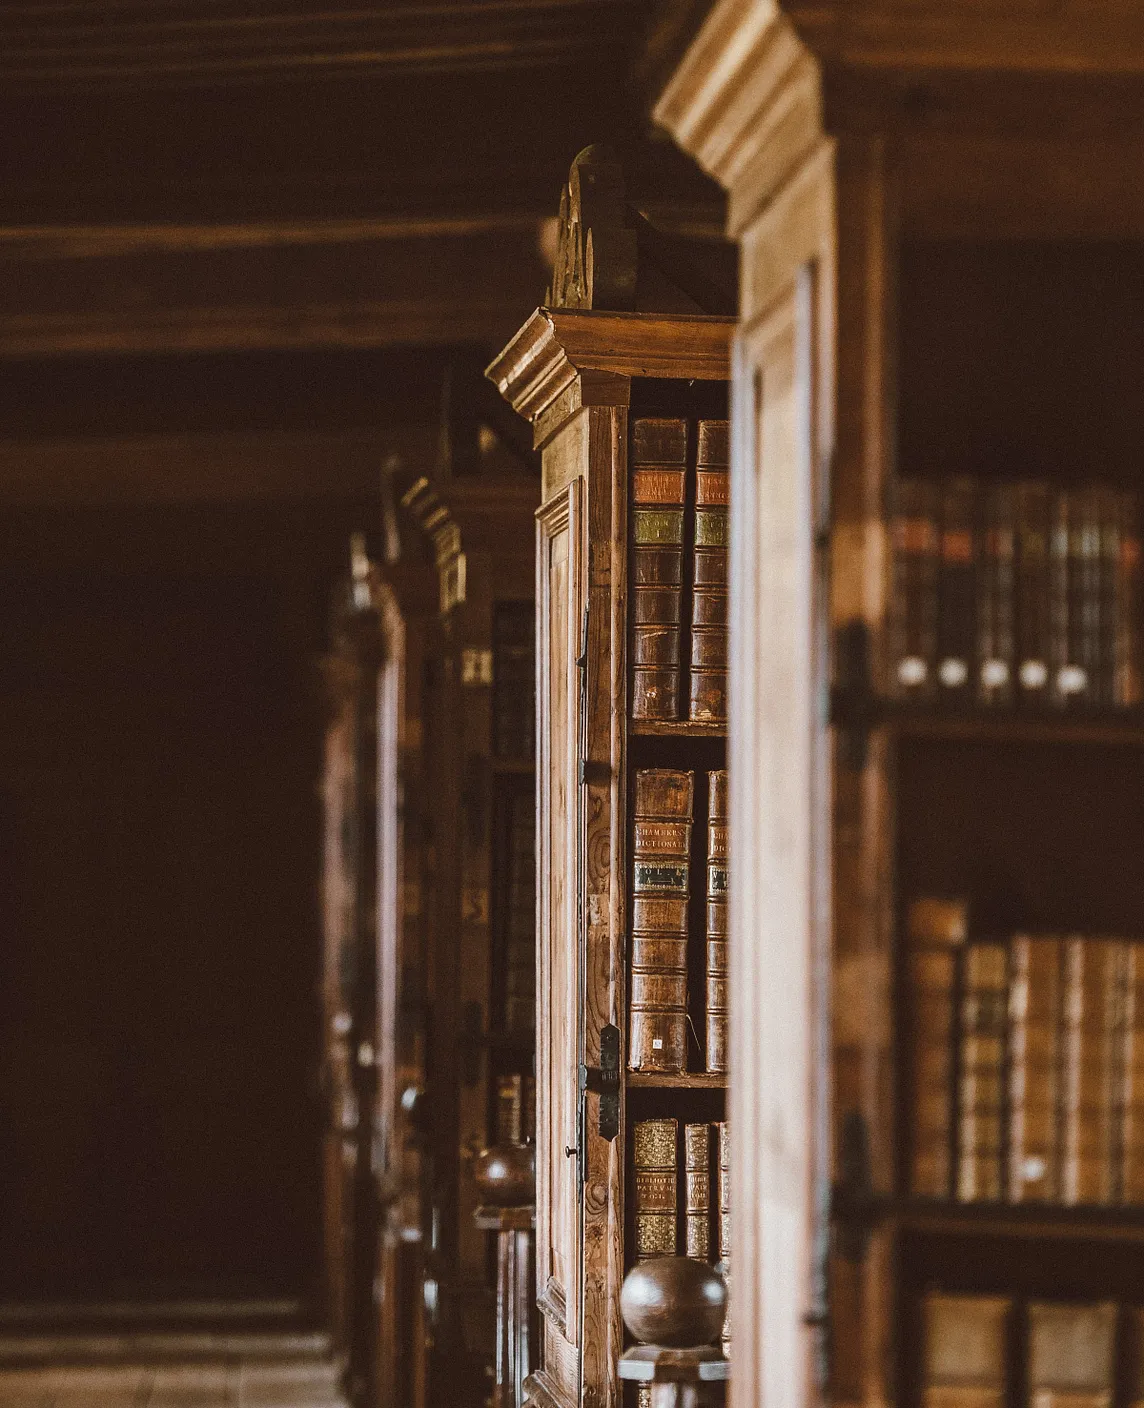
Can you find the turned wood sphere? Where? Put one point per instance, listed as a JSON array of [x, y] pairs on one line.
[[674, 1301], [506, 1175]]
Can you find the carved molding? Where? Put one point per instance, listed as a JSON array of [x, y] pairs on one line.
[[746, 103], [595, 263]]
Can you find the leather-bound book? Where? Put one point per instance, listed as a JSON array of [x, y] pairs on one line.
[[1034, 1065], [723, 1225], [957, 597], [664, 801], [1108, 500], [964, 1362], [913, 607], [655, 1160], [717, 995], [1091, 1068], [1072, 1355], [510, 1110], [658, 473], [528, 1114], [1131, 1180], [996, 616], [935, 930], [1074, 590], [1034, 527], [980, 1087], [1134, 1345], [697, 1189], [708, 694], [1127, 687]]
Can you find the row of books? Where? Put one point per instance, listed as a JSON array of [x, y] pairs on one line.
[[1027, 1069], [679, 558], [1011, 593], [698, 1224], [663, 815], [1071, 1353]]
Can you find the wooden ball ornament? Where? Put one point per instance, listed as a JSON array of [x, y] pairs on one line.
[[506, 1175], [674, 1301]]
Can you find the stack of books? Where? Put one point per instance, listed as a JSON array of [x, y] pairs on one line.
[[1007, 593], [1026, 1067], [679, 491], [661, 885]]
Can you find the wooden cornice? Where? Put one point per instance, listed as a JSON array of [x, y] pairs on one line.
[[1069, 36], [557, 349], [746, 103], [121, 44]]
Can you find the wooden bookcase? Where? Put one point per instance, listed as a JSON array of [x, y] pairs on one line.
[[951, 247], [578, 375]]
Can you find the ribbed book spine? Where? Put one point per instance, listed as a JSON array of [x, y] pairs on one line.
[[1074, 575], [717, 996], [980, 1082], [957, 625], [1131, 1182], [664, 802], [656, 1167], [935, 931], [1090, 1069], [1034, 1066], [913, 612], [658, 474], [964, 1362], [708, 692], [723, 1225], [1034, 528], [996, 625], [1072, 1355], [697, 1189], [1127, 687], [1108, 510]]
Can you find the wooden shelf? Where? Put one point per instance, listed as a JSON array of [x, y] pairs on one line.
[[1004, 1220], [663, 1080], [1115, 727], [680, 728]]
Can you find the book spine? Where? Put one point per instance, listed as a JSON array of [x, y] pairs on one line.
[[936, 927], [658, 469], [913, 613], [723, 1226], [1108, 507], [1072, 1355], [1034, 527], [1127, 689], [1131, 1181], [510, 1110], [708, 692], [1085, 591], [956, 612], [981, 1076], [717, 994], [664, 801], [1034, 1059], [1074, 569], [697, 1189], [930, 974], [656, 1163], [996, 628], [965, 1360], [1092, 984]]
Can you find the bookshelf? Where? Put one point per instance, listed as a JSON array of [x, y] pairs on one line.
[[592, 380], [1029, 812]]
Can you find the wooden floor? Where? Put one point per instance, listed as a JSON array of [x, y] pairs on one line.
[[156, 1371]]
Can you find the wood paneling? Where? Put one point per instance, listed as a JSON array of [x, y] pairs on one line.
[[560, 596]]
